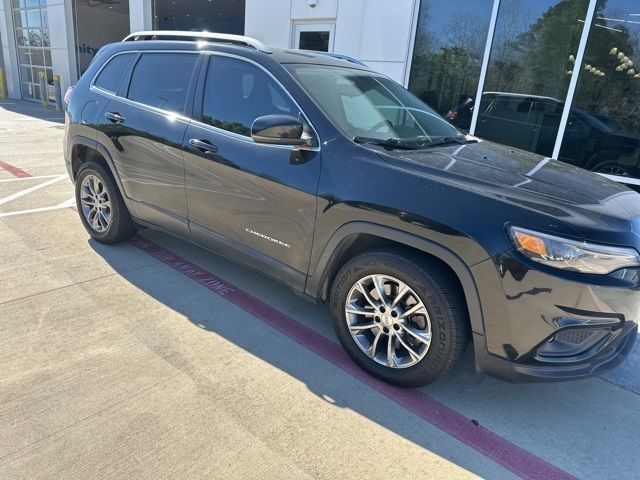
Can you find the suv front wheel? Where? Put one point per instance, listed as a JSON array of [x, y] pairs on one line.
[[399, 316], [100, 205]]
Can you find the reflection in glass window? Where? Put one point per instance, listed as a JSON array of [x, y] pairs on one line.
[[150, 85], [447, 57], [529, 70], [318, 41], [111, 75], [237, 92], [222, 16], [603, 133]]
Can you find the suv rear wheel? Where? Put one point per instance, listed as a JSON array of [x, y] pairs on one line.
[[100, 205], [400, 317]]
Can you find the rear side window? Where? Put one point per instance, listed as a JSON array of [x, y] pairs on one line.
[[162, 80], [110, 76], [237, 92]]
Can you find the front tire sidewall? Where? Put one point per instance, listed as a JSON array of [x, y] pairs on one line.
[[119, 215], [437, 359]]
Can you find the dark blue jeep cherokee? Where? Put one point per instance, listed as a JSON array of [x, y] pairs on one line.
[[339, 183]]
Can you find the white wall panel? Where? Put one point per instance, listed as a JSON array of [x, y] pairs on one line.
[[269, 21], [375, 31], [9, 49], [349, 27], [386, 31], [300, 9], [140, 15], [62, 46], [394, 70]]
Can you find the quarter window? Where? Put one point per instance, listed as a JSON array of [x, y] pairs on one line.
[[110, 76], [162, 80], [237, 92]]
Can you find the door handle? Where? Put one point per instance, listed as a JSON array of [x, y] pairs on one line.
[[203, 146], [114, 117]]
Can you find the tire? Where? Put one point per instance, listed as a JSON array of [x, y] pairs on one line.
[[611, 167], [429, 282], [116, 224]]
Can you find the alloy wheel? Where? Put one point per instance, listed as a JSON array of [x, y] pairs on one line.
[[388, 321], [95, 202], [613, 169]]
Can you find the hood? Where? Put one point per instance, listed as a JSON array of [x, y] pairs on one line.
[[486, 164], [550, 187]]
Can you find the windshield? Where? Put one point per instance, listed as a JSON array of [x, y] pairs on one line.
[[362, 104]]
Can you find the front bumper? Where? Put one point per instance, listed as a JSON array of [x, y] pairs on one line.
[[542, 324], [612, 355]]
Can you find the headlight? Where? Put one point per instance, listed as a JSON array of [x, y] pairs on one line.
[[568, 254]]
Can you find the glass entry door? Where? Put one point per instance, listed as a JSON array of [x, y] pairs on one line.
[[34, 50], [314, 36]]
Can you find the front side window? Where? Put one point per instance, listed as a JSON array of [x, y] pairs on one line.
[[364, 104], [110, 76], [237, 92], [162, 80]]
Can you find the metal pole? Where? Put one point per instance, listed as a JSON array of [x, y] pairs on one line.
[[577, 67], [485, 66], [44, 94], [3, 84], [58, 90]]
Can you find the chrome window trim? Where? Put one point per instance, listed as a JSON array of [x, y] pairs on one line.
[[184, 118]]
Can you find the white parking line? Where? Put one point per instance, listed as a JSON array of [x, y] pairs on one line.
[[66, 204], [18, 179], [31, 189]]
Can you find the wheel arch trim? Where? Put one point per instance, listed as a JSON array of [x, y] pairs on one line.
[[102, 150], [318, 279]]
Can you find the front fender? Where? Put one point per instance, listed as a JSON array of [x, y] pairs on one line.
[[317, 282]]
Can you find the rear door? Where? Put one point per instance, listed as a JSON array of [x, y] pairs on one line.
[[253, 201], [144, 126]]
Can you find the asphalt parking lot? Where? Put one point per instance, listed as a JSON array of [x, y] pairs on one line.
[[157, 359]]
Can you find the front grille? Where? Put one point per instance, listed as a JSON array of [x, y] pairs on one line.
[[574, 335]]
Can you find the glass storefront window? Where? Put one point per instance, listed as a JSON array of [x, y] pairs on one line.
[[603, 131], [96, 25], [221, 16], [447, 56], [32, 41], [529, 72]]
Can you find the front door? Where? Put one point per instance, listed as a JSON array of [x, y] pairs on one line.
[[313, 36], [252, 201], [145, 128]]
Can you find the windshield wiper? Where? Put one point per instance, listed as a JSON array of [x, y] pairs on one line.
[[389, 143], [447, 141]]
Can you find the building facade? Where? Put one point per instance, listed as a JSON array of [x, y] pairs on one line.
[[557, 77]]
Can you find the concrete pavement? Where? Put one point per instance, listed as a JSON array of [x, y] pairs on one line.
[[116, 365]]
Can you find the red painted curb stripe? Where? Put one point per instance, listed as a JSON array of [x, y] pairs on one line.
[[510, 456], [15, 171]]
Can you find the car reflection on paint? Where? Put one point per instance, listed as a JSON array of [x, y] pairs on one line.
[[531, 122]]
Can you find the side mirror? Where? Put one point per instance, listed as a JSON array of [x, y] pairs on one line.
[[278, 130]]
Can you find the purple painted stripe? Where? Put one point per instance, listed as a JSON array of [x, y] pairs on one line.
[[510, 456]]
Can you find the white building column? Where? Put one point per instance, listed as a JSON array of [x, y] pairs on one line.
[[140, 15], [63, 54], [9, 56]]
